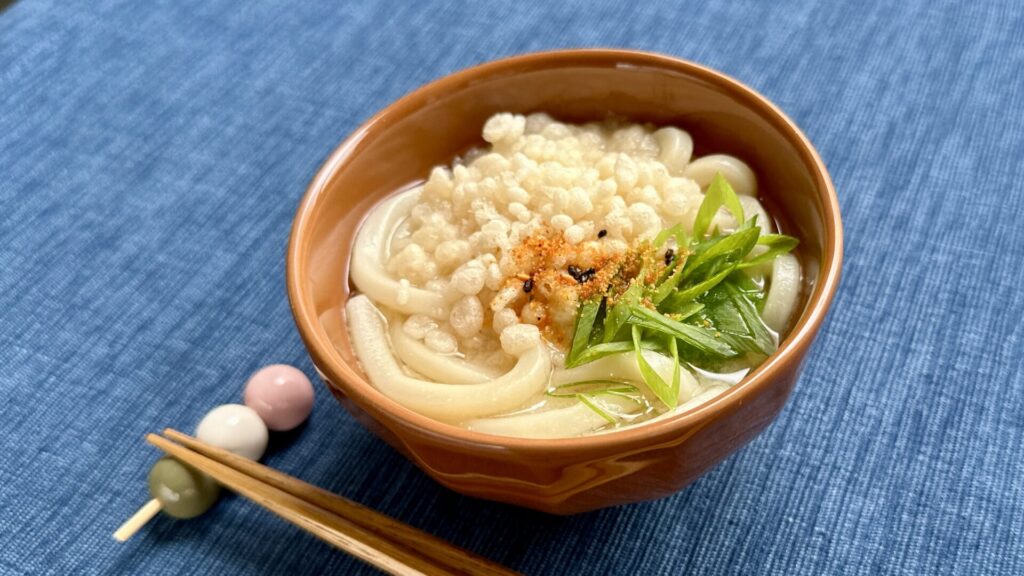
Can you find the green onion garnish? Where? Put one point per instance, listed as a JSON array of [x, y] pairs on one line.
[[699, 306]]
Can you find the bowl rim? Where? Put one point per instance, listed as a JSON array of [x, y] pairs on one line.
[[338, 373]]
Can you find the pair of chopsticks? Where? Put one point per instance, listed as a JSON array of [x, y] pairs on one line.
[[374, 538]]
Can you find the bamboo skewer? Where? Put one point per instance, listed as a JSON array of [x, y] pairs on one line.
[[377, 539], [138, 520]]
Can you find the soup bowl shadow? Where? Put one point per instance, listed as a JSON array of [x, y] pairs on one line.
[[431, 126]]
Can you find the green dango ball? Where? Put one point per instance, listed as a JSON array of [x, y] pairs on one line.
[[183, 491]]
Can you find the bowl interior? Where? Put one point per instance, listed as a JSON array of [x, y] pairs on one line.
[[399, 146]]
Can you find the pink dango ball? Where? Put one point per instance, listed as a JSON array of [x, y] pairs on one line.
[[282, 395]]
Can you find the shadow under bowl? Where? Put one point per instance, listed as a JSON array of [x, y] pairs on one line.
[[431, 126]]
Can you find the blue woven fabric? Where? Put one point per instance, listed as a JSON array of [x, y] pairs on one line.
[[152, 155]]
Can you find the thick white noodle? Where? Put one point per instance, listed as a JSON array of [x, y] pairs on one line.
[[624, 367], [557, 423], [578, 418], [419, 357], [698, 399], [783, 290], [704, 395], [725, 222], [735, 171], [368, 255], [752, 207], [446, 402], [676, 149]]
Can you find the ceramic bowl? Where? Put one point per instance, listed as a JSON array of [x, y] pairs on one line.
[[430, 127]]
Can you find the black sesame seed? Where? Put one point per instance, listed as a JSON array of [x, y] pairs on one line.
[[668, 256], [528, 285], [574, 272], [586, 276], [602, 233]]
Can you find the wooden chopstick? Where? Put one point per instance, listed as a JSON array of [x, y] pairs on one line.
[[366, 546], [377, 539], [423, 543]]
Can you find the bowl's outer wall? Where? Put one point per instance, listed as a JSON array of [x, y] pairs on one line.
[[433, 125]]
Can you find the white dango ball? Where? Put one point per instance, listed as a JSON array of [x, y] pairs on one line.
[[235, 428]]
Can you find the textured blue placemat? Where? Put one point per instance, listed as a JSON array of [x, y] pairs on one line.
[[151, 157]]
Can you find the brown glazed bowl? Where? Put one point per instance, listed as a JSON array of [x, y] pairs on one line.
[[432, 125]]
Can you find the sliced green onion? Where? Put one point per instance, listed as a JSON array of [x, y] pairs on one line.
[[719, 194], [658, 386]]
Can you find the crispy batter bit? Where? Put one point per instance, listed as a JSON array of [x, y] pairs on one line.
[[557, 276]]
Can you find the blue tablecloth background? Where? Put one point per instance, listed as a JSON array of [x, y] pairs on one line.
[[152, 155]]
